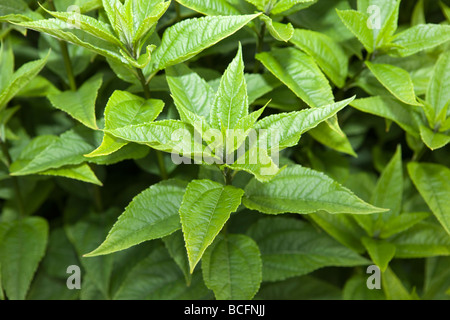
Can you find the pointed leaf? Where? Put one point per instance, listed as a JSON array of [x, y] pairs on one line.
[[380, 252]]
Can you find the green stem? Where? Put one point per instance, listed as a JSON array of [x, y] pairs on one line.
[[159, 154], [15, 181], [66, 57], [178, 12], [419, 154], [259, 46]]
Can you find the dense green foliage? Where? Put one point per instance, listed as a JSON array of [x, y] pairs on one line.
[[225, 149]]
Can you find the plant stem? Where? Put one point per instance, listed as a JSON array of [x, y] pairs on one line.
[[159, 155], [15, 180], [66, 57], [259, 46], [178, 12]]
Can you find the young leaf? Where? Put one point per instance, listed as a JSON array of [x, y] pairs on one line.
[[418, 38], [231, 101], [232, 268], [290, 247], [211, 7], [205, 209], [401, 223], [433, 183], [438, 94], [433, 140], [284, 5], [356, 22], [396, 80], [300, 73], [326, 52], [280, 31], [81, 103], [20, 79], [380, 252], [175, 49], [301, 190], [151, 215], [21, 249]]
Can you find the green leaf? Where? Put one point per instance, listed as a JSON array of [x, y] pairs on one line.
[[328, 54], [205, 209], [232, 268], [356, 22], [190, 91], [177, 250], [80, 172], [124, 109], [211, 7], [332, 139], [396, 80], [381, 252], [20, 79], [433, 140], [284, 5], [433, 183], [422, 240], [288, 127], [182, 41], [231, 100], [21, 249], [418, 38], [280, 31], [88, 24], [157, 277], [407, 117], [68, 149], [393, 287], [438, 94], [151, 215], [401, 223], [342, 227], [301, 190], [290, 247], [299, 72], [81, 103]]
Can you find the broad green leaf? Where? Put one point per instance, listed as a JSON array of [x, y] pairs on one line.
[[418, 38], [231, 100], [62, 31], [190, 90], [21, 249], [280, 31], [422, 240], [19, 80], [381, 252], [205, 209], [290, 247], [85, 233], [299, 72], [433, 183], [124, 109], [288, 127], [211, 7], [438, 93], [301, 190], [151, 215], [259, 84], [407, 117], [68, 149], [80, 172], [433, 140], [232, 268], [356, 22], [393, 287], [330, 138], [356, 289], [326, 52], [284, 5], [88, 24], [80, 104], [177, 250], [396, 80], [157, 277], [385, 14], [401, 223], [342, 227], [147, 19], [182, 41], [388, 193]]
